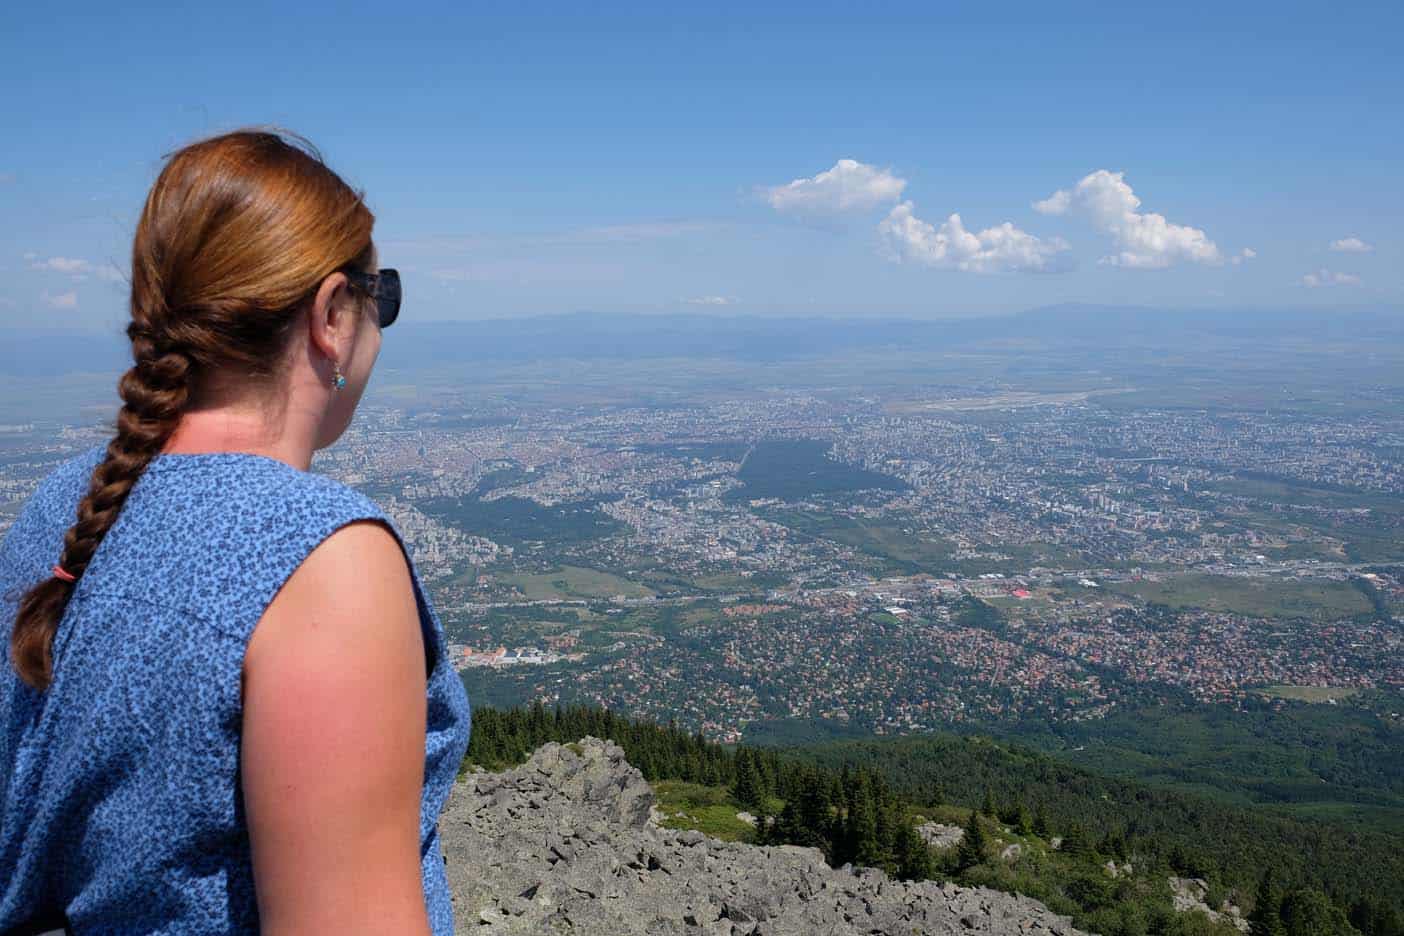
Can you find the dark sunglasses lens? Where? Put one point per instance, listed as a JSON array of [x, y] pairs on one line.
[[389, 297]]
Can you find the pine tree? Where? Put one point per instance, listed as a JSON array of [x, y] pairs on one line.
[[788, 829], [989, 808], [913, 856], [1266, 918], [971, 850], [747, 789], [1022, 823], [1113, 845], [1040, 823], [861, 845], [1308, 912], [1075, 842]]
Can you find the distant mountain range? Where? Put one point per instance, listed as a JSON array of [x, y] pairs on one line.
[[599, 335]]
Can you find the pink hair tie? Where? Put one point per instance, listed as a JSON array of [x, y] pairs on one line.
[[61, 573]]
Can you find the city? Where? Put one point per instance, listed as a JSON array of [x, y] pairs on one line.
[[894, 560]]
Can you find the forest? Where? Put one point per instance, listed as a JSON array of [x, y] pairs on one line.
[[860, 802]]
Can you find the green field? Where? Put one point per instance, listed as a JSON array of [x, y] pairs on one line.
[[572, 582], [1290, 491], [1319, 600], [888, 541], [710, 810], [1310, 693]]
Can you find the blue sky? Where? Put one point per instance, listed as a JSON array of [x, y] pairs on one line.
[[526, 159]]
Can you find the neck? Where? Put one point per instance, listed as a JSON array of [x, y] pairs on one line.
[[229, 429]]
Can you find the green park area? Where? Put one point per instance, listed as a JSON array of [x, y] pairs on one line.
[[1260, 597], [569, 582], [1310, 693]]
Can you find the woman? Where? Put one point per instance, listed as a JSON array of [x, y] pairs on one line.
[[229, 707]]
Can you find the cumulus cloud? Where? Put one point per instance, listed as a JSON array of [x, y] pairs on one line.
[[1147, 241], [1057, 203], [1351, 245], [712, 301], [68, 300], [1243, 256], [999, 249], [849, 186], [1327, 278]]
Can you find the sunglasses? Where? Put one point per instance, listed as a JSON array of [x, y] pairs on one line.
[[384, 287]]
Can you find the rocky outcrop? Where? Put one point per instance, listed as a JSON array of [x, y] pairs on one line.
[[940, 836], [1192, 894], [568, 843]]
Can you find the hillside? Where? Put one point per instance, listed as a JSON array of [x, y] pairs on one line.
[[570, 842], [1106, 852]]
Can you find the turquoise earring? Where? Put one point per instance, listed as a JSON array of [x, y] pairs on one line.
[[338, 378]]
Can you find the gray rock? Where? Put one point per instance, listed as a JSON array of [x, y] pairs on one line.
[[939, 835], [569, 843]]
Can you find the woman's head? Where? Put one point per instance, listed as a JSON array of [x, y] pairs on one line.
[[238, 291]]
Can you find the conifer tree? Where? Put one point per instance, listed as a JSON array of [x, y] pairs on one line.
[[1308, 912], [971, 850], [1075, 842], [1266, 918], [747, 789], [1022, 823], [789, 828], [1040, 822], [860, 829], [913, 856]]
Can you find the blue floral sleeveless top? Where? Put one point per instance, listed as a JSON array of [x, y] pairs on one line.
[[120, 800]]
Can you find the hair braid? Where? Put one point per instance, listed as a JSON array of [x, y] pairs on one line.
[[154, 392]]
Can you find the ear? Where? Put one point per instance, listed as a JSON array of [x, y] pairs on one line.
[[330, 325]]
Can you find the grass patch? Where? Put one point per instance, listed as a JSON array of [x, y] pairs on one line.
[[1290, 491], [709, 810], [573, 582], [1310, 693], [887, 541], [1273, 598]]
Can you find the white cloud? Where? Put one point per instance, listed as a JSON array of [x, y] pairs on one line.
[[1147, 240], [69, 265], [1055, 204], [75, 268], [1243, 256], [1351, 245], [848, 186], [1327, 278], [712, 301], [68, 300], [999, 249]]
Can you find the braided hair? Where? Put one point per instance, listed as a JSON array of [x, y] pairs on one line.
[[237, 233]]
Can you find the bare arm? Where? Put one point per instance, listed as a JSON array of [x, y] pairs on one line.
[[333, 745]]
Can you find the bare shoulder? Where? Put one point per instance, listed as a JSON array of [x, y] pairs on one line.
[[333, 742], [357, 579]]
